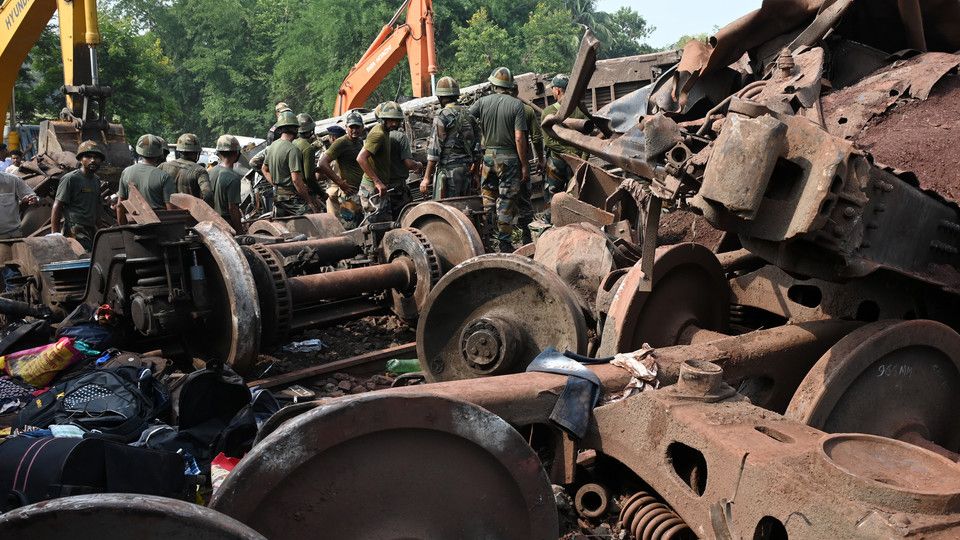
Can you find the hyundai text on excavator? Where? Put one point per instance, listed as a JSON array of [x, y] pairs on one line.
[[84, 116], [414, 37]]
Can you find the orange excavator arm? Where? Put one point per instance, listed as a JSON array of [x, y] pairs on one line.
[[413, 38]]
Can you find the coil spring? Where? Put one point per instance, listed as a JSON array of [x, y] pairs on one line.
[[646, 518]]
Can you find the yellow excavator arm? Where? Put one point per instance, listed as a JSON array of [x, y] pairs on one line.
[[22, 22]]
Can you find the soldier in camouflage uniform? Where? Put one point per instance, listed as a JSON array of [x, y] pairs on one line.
[[155, 185], [534, 141], [503, 125], [78, 193], [401, 165], [343, 200], [454, 149], [280, 108], [190, 177], [375, 160], [308, 152], [284, 169], [558, 172]]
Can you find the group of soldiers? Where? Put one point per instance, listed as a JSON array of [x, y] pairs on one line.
[[484, 148], [78, 199]]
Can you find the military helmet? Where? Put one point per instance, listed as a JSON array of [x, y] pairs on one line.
[[306, 122], [188, 142], [90, 147], [150, 146], [447, 87], [228, 143], [560, 81], [389, 110], [354, 119], [287, 118], [501, 77], [163, 145], [282, 107]]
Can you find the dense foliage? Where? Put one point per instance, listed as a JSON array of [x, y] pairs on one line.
[[214, 66]]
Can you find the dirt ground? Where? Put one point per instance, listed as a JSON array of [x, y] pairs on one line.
[[339, 342], [894, 139]]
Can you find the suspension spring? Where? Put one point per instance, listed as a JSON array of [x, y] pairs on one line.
[[646, 518]]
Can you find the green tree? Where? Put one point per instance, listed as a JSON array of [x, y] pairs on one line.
[[480, 46], [131, 62], [585, 14], [628, 34], [550, 39], [686, 38]]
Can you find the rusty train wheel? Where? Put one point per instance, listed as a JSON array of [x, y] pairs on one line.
[[493, 314], [449, 231], [232, 332], [689, 289], [392, 466], [314, 225], [265, 227], [146, 517], [897, 379]]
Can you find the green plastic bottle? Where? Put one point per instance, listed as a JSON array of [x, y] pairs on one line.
[[399, 366]]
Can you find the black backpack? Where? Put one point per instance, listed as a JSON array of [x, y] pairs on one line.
[[34, 469], [119, 403]]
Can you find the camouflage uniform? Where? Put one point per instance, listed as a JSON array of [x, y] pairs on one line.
[[80, 196], [524, 204], [500, 115], [557, 172], [283, 159], [190, 178], [455, 145], [399, 192], [379, 146]]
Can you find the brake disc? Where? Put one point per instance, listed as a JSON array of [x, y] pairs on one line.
[[411, 243], [392, 466], [493, 314]]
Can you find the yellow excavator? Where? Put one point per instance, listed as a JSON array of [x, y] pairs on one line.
[[84, 117]]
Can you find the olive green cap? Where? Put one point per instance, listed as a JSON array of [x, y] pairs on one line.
[[188, 142], [354, 119], [228, 143], [306, 123], [389, 110], [90, 147], [560, 81], [287, 118], [150, 146], [501, 77], [447, 87]]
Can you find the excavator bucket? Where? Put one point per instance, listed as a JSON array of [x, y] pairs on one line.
[[59, 140]]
